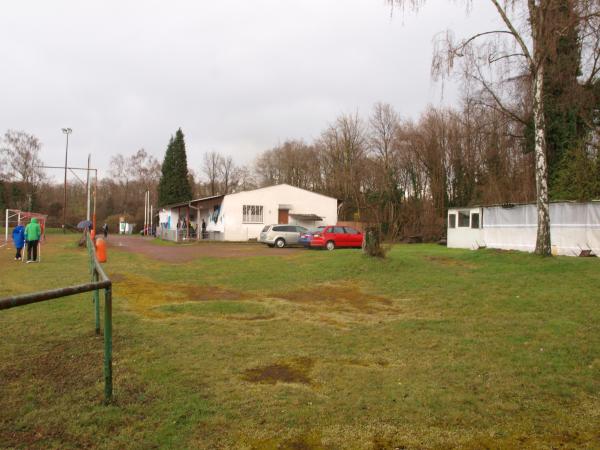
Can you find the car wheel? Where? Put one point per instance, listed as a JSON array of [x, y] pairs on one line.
[[280, 243], [330, 245]]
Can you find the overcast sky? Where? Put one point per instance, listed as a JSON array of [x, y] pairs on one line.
[[239, 76]]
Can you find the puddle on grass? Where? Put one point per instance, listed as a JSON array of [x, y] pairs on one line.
[[294, 371]]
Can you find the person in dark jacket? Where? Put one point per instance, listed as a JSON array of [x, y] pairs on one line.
[[33, 232], [18, 236], [105, 230]]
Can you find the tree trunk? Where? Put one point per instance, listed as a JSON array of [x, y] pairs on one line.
[[542, 245]]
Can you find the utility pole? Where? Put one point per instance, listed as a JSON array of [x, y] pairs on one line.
[[66, 131], [88, 188]]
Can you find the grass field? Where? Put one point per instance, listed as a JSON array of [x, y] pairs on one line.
[[431, 348]]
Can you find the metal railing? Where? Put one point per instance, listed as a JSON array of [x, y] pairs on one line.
[[99, 281]]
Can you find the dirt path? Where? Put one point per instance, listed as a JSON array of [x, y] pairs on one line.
[[187, 252]]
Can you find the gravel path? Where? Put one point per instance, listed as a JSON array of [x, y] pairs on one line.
[[187, 252]]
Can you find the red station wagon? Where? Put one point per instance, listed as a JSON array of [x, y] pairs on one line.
[[336, 236]]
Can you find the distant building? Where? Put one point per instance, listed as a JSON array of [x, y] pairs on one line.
[[574, 227], [125, 227], [242, 215]]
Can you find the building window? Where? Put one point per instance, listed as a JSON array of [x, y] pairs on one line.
[[475, 220], [451, 220], [463, 219], [252, 214]]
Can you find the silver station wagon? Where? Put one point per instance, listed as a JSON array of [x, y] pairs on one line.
[[281, 235]]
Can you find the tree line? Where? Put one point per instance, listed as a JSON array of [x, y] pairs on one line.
[[403, 174]]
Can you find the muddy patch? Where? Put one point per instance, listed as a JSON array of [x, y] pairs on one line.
[[339, 297], [65, 365], [221, 309], [377, 362], [450, 262], [206, 293], [116, 277], [147, 297], [295, 371], [301, 442]]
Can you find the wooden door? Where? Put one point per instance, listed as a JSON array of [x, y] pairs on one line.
[[283, 216]]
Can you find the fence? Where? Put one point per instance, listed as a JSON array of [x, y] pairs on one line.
[[99, 281], [181, 235]]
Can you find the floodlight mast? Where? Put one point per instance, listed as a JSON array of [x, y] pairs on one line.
[[95, 188], [66, 131]]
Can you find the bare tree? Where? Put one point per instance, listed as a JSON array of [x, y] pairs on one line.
[[227, 171], [343, 146], [120, 172], [22, 162], [211, 168]]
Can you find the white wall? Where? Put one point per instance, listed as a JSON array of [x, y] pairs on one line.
[[464, 237], [164, 214], [270, 198]]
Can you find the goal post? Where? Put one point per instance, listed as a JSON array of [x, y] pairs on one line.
[[12, 217]]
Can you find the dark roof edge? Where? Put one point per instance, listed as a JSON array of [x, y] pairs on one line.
[[510, 204]]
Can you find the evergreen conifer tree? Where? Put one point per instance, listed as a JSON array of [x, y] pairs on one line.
[[174, 185]]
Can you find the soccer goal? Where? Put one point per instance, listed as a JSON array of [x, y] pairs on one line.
[[13, 217]]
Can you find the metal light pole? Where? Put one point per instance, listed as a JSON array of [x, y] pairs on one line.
[[66, 131]]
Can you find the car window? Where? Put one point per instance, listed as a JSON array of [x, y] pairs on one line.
[[291, 229], [301, 229], [351, 230], [338, 229], [279, 229], [265, 229]]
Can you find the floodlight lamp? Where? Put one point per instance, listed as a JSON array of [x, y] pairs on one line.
[[67, 130]]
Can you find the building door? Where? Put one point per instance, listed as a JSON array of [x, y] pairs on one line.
[[283, 216]]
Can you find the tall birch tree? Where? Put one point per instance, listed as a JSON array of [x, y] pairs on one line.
[[522, 48]]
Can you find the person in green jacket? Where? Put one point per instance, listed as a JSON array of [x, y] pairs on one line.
[[33, 232]]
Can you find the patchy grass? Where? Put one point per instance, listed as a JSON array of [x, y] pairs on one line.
[[430, 348]]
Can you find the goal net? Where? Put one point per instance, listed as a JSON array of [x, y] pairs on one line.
[[14, 217]]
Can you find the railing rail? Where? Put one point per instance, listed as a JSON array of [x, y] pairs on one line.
[[99, 281]]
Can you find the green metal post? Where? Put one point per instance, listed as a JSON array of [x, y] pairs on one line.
[[96, 294], [108, 344]]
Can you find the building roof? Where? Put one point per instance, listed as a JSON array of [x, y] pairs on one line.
[[512, 205], [280, 185], [176, 205], [180, 204]]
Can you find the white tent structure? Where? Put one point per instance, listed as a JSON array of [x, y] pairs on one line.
[[574, 227]]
